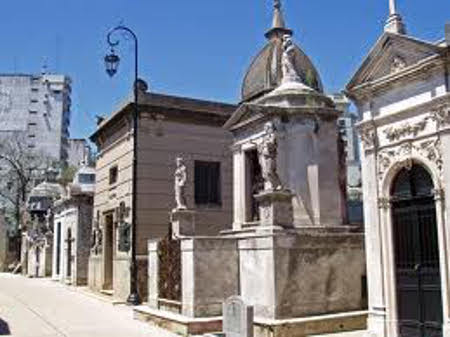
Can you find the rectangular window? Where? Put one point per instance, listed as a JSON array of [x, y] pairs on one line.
[[86, 178], [33, 112], [34, 89], [113, 175], [34, 100], [31, 136], [207, 183]]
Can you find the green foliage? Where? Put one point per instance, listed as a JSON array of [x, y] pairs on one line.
[[67, 175]]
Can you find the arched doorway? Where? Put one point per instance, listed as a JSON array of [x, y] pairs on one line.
[[418, 282]]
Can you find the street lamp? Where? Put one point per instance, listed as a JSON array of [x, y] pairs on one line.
[[112, 63]]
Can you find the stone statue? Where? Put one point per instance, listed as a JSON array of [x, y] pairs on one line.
[[180, 184], [267, 153], [288, 60]]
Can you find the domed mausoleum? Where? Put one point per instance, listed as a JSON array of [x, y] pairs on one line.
[[265, 71]]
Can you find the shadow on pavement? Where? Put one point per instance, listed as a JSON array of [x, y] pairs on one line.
[[4, 328]]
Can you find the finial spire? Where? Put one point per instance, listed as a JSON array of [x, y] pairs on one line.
[[278, 20], [394, 23], [278, 24]]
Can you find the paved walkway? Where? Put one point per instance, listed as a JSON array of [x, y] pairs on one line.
[[43, 308]]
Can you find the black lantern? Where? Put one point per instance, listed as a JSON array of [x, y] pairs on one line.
[[112, 63]]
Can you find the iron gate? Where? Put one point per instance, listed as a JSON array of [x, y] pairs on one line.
[[419, 299]]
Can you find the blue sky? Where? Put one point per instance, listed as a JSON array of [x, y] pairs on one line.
[[194, 48]]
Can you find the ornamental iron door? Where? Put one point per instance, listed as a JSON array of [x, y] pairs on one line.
[[419, 299]]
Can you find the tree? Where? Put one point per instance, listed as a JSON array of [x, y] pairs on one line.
[[20, 169]]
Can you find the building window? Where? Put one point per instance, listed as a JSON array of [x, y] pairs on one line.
[[207, 183], [86, 178], [33, 112], [113, 174], [34, 100], [31, 146], [31, 136]]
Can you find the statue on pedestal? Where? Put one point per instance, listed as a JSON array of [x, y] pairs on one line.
[[288, 60], [180, 184], [267, 153]]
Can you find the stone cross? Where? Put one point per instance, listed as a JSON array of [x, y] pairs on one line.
[[237, 318]]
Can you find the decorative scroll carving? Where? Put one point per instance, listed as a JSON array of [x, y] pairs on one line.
[[429, 149], [398, 64], [407, 129], [368, 136], [441, 115]]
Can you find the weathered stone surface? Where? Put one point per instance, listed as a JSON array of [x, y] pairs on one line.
[[237, 318], [275, 208], [183, 223]]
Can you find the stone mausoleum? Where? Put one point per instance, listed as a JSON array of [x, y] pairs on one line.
[[402, 93], [289, 252], [37, 235], [72, 226]]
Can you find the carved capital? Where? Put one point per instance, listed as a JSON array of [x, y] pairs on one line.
[[384, 203], [368, 134], [439, 194]]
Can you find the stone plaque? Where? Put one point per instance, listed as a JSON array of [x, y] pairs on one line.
[[237, 318]]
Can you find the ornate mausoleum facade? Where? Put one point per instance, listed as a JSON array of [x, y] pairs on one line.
[[403, 97], [288, 251]]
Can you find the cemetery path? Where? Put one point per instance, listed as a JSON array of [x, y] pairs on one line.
[[43, 308]]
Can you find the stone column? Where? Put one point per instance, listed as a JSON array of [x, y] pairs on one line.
[[238, 185], [153, 274], [374, 246]]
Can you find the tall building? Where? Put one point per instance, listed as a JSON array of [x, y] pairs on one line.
[[37, 109], [349, 138], [79, 152]]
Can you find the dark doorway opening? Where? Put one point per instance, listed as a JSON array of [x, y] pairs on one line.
[[58, 248], [69, 252], [108, 252], [254, 184], [419, 298]]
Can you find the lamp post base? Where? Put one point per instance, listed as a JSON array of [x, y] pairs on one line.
[[133, 299]]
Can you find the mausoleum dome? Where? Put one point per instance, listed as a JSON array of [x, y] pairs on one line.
[[265, 71]]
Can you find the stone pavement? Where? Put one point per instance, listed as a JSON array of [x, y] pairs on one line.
[[43, 308]]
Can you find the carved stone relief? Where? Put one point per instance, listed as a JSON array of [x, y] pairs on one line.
[[368, 136], [398, 63], [404, 130], [430, 149], [441, 115]]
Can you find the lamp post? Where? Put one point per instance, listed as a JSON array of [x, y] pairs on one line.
[[112, 62]]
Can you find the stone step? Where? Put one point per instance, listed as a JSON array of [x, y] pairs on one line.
[[107, 292], [359, 333]]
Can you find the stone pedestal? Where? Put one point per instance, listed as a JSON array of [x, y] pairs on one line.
[[302, 275], [183, 223], [275, 208]]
